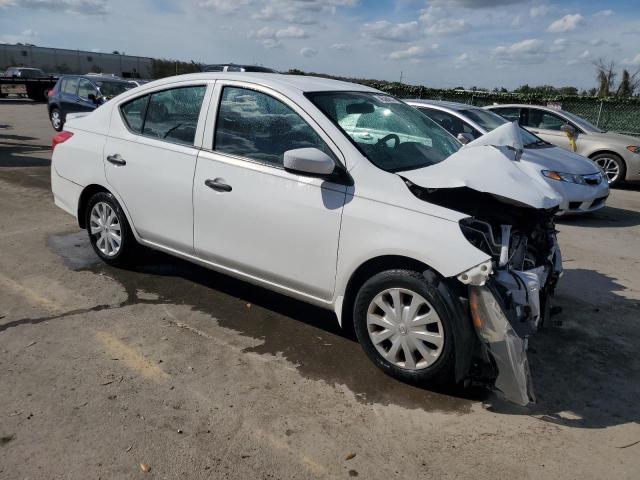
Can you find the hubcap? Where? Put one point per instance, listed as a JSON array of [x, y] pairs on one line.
[[610, 167], [405, 329], [55, 119], [105, 228]]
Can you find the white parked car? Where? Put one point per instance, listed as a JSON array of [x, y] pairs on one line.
[[582, 184], [441, 257]]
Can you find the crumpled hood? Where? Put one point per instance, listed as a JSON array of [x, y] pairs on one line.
[[559, 160], [485, 167]]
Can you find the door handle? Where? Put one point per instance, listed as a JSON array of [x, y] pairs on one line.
[[217, 185], [116, 160]]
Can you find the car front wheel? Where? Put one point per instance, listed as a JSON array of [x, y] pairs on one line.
[[56, 119], [613, 167], [404, 328], [109, 231]]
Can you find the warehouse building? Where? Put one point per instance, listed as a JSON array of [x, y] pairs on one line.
[[62, 61]]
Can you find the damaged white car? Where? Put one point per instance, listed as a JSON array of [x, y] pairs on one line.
[[443, 258]]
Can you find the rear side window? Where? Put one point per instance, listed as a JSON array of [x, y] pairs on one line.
[[450, 123], [70, 86], [511, 114], [255, 125], [544, 120], [172, 115], [133, 113]]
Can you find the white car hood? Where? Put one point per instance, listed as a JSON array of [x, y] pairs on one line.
[[559, 160], [489, 164]]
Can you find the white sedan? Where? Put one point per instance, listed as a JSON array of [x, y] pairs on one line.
[[333, 193]]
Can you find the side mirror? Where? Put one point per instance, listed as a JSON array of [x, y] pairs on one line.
[[465, 138], [308, 161], [94, 98], [566, 128]]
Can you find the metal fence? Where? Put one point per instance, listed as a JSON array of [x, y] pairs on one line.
[[606, 114], [609, 114]]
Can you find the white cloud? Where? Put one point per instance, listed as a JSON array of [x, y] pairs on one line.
[[301, 12], [83, 7], [271, 43], [566, 23], [393, 32], [414, 53], [603, 13], [540, 10], [291, 32], [447, 26], [632, 61], [596, 42], [308, 52], [341, 47], [517, 21], [584, 55], [529, 51], [559, 45]]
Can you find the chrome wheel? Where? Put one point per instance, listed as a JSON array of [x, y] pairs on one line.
[[405, 329], [56, 119], [610, 167], [105, 227]]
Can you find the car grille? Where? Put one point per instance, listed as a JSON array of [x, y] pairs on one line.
[[599, 201], [593, 178], [574, 205]]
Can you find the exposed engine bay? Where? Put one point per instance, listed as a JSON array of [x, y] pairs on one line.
[[508, 296]]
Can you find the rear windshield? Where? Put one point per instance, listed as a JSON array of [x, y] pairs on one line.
[[111, 89], [391, 134]]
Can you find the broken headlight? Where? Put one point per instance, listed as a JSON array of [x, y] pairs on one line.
[[480, 234]]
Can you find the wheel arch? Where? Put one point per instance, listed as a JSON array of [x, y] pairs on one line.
[[88, 192], [450, 290]]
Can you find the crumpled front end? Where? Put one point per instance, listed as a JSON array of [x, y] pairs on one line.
[[512, 299]]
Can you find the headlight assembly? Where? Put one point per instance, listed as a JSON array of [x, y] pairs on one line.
[[564, 177]]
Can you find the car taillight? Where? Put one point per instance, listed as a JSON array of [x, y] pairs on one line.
[[60, 138], [50, 92]]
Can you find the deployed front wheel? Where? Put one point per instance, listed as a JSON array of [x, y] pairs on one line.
[[404, 328], [109, 231]]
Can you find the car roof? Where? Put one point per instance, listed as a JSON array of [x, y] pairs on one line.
[[96, 78], [524, 105], [442, 104], [302, 83]]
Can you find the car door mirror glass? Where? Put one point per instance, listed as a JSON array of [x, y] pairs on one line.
[[309, 161], [569, 129]]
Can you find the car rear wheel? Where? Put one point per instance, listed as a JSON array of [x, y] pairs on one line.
[[613, 167], [56, 119], [109, 231], [404, 328]]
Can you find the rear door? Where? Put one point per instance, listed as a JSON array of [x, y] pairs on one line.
[[150, 159], [250, 214], [69, 95], [546, 125]]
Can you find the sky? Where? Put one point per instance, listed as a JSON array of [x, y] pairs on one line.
[[437, 43]]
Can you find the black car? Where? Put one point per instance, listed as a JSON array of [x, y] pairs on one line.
[[81, 93]]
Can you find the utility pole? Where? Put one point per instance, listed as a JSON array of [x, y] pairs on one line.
[[400, 76]]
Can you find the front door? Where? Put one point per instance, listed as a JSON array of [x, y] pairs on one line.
[[150, 160], [546, 125], [253, 217]]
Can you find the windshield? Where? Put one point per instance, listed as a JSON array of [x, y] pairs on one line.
[[111, 89], [489, 121], [581, 122], [390, 133]]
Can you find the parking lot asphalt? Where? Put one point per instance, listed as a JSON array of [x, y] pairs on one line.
[[197, 375]]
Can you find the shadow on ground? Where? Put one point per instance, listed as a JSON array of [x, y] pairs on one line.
[[587, 368], [608, 217]]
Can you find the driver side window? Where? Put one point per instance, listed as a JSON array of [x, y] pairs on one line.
[[86, 88]]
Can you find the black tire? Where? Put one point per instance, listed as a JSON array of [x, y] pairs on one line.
[[441, 372], [622, 167], [128, 244], [60, 125]]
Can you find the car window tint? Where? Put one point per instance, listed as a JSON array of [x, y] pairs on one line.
[[173, 114], [70, 86], [86, 88], [544, 120], [511, 114], [133, 113], [450, 123], [255, 125]]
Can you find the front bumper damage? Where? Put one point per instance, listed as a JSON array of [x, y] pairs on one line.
[[506, 308]]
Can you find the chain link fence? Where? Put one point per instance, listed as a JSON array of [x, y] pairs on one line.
[[614, 114]]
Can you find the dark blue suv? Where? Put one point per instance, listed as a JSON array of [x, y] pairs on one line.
[[81, 93]]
